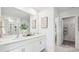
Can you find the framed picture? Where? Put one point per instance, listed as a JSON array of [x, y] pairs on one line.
[[78, 23], [44, 22], [33, 23]]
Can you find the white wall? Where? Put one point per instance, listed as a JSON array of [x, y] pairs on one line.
[[0, 11], [59, 30], [71, 12], [56, 12], [68, 13], [50, 31], [0, 23]]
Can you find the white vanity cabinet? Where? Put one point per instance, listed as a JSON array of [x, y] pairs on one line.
[[11, 47], [33, 47], [18, 49], [37, 44], [42, 44], [33, 44]]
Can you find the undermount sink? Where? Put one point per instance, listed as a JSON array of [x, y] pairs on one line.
[[28, 35]]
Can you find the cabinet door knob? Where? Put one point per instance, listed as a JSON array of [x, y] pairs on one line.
[[40, 42]]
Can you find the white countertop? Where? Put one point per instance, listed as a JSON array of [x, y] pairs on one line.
[[13, 38]]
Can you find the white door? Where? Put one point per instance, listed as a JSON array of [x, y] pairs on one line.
[[77, 33], [58, 32]]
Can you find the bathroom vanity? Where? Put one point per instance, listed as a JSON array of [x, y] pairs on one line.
[[13, 25], [35, 43]]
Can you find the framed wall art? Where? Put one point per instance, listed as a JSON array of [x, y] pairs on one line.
[[44, 22], [33, 24]]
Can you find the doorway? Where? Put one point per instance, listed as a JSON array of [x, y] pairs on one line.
[[68, 31]]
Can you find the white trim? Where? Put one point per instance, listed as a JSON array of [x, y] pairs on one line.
[[75, 28]]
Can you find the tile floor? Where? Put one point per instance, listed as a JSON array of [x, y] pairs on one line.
[[65, 48]]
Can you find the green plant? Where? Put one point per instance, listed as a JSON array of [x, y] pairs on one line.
[[23, 26]]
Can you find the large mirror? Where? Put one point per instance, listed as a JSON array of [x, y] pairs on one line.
[[11, 25], [15, 21]]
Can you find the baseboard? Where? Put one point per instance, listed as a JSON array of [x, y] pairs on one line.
[[69, 41]]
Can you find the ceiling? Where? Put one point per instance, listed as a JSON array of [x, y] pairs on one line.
[[11, 11], [38, 9], [61, 9], [16, 12]]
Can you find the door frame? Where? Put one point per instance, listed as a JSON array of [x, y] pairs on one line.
[[76, 33], [75, 18], [58, 33]]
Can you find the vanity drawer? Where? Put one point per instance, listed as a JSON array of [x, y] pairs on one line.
[[42, 43], [35, 44], [11, 46]]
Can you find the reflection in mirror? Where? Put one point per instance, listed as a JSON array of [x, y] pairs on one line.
[[11, 25], [15, 22]]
